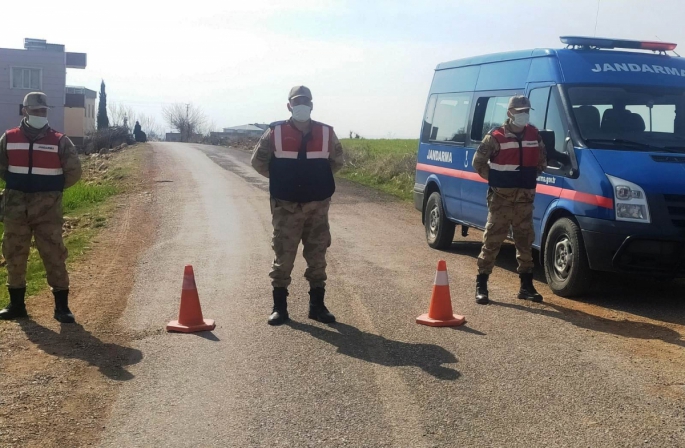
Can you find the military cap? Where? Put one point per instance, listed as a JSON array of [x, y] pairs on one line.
[[519, 102], [298, 91], [36, 100]]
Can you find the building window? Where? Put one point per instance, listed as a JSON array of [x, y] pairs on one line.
[[27, 78]]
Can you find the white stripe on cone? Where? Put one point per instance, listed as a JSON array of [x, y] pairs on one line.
[[189, 282], [441, 278]]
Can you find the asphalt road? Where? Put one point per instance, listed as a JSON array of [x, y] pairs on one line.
[[604, 371]]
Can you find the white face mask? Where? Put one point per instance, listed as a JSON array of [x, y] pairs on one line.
[[520, 120], [301, 113], [37, 122]]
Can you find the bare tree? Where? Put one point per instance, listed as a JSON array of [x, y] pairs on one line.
[[115, 114], [121, 115], [188, 119], [211, 127]]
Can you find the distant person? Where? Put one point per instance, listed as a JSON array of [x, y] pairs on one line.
[[510, 158], [37, 164], [138, 133], [299, 156]]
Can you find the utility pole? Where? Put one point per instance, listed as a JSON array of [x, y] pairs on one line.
[[187, 123]]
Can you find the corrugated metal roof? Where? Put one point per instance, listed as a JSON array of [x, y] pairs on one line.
[[245, 127], [79, 90]]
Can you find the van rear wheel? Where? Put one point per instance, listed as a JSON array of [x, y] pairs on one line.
[[439, 229], [566, 266]]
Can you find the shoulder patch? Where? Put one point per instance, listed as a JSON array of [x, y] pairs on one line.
[[495, 129]]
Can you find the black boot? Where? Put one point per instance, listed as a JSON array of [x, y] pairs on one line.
[[62, 312], [528, 291], [482, 289], [17, 307], [280, 311], [317, 309]]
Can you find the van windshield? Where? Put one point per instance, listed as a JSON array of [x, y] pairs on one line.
[[630, 117]]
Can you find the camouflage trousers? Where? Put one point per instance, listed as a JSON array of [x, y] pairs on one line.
[[504, 214], [38, 216], [293, 223]]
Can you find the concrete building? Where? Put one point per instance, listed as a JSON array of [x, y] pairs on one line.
[[247, 130], [40, 66], [79, 113]]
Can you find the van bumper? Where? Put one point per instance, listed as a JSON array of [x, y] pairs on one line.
[[633, 248]]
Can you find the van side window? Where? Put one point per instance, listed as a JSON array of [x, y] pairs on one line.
[[538, 102], [428, 119], [547, 114], [491, 112], [450, 118], [496, 113], [556, 123]]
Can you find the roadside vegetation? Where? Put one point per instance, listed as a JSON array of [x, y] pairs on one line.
[[87, 207], [387, 164]]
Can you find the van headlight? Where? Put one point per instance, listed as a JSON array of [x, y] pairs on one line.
[[630, 201]]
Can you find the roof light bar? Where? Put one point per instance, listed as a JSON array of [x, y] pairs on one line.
[[599, 42], [660, 46]]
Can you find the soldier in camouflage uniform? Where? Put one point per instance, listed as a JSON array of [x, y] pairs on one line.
[[299, 156], [37, 164], [510, 158]]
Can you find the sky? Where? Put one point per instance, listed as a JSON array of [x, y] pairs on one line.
[[368, 63]]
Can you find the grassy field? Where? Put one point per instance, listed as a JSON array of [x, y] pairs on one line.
[[86, 211], [388, 165]]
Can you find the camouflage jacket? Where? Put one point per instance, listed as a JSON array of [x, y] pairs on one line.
[[264, 150], [488, 148]]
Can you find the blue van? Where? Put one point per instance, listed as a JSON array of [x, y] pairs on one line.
[[613, 196]]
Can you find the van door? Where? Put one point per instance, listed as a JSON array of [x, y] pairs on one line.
[[445, 150], [490, 111], [549, 114]]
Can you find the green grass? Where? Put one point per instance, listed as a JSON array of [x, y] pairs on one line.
[[387, 165], [84, 205], [82, 196]]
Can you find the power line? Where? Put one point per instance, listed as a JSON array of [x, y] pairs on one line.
[[597, 16]]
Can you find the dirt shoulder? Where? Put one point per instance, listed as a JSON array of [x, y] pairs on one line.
[[57, 381]]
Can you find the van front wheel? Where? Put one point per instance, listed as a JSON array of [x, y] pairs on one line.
[[566, 266], [439, 229]]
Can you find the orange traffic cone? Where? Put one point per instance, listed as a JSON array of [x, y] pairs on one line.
[[190, 317], [440, 310]]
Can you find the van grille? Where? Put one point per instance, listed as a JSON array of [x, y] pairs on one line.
[[676, 208]]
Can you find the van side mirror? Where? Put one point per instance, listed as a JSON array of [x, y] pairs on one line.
[[548, 139]]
